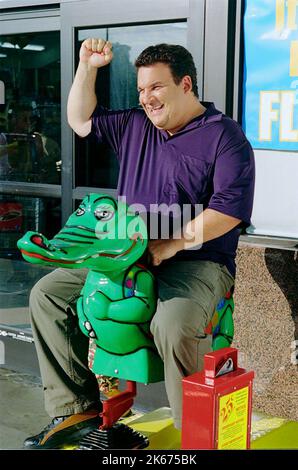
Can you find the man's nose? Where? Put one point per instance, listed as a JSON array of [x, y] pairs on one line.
[[146, 96]]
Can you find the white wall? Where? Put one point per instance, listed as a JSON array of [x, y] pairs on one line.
[[276, 194]]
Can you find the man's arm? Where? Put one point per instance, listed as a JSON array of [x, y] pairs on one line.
[[94, 53], [206, 226]]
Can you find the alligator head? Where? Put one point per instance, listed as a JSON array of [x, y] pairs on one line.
[[101, 235]]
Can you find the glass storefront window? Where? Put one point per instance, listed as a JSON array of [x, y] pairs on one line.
[[30, 119], [18, 215], [116, 88]]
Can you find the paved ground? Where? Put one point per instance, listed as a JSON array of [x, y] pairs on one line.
[[22, 414], [21, 408], [22, 411]]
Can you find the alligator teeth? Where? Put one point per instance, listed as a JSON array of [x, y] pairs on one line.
[[80, 261], [95, 256]]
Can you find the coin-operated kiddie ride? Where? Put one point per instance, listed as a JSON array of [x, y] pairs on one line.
[[116, 304]]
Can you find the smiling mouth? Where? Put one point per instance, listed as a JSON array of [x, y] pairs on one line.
[[155, 110], [97, 255], [44, 258]]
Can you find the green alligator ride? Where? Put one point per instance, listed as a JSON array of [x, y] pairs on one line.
[[118, 299]]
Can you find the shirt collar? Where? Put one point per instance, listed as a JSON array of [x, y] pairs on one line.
[[210, 115]]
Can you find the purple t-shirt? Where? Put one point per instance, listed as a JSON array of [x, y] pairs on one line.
[[208, 162]]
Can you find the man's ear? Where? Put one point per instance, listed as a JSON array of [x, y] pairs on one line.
[[187, 83]]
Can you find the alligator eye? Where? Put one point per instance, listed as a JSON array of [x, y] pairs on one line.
[[80, 211], [103, 214], [37, 240]]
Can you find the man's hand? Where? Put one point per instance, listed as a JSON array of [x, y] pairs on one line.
[[160, 250], [96, 52]]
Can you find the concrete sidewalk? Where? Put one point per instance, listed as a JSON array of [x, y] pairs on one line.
[[22, 411], [22, 414]]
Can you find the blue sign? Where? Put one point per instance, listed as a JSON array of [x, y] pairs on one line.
[[270, 112]]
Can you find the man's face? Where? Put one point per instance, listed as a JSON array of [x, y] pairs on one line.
[[162, 100]]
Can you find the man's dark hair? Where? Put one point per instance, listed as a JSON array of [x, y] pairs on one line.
[[176, 57]]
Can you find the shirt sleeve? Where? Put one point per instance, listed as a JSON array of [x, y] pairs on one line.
[[108, 126], [234, 177]]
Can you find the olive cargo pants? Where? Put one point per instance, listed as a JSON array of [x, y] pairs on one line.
[[188, 293]]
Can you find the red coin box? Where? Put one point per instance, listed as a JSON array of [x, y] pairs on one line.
[[217, 404]]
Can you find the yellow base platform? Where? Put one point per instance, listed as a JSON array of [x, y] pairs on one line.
[[158, 426], [268, 432]]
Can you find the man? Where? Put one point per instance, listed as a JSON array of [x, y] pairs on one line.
[[176, 150]]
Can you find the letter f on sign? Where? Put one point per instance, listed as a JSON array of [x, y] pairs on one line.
[[267, 114]]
